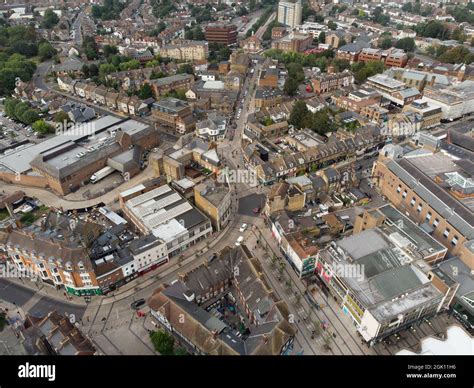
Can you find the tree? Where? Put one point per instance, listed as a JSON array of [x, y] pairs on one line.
[[162, 342], [61, 117], [407, 44], [291, 86], [180, 352], [145, 91], [332, 25], [110, 50], [322, 37], [50, 19], [185, 68], [42, 127], [46, 51], [29, 116], [407, 7], [21, 108], [386, 43], [298, 114]]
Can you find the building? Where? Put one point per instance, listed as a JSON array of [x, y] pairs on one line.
[[213, 128], [393, 90], [198, 308], [294, 41], [186, 50], [337, 38], [56, 249], [380, 280], [265, 97], [174, 113], [410, 236], [391, 57], [431, 114], [169, 217], [290, 13], [455, 101], [67, 161], [220, 33], [268, 78], [455, 342], [148, 252], [357, 100], [433, 190], [457, 274], [253, 44], [215, 200], [175, 82], [54, 335], [332, 81]]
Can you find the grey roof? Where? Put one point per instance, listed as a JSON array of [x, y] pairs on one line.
[[451, 209]]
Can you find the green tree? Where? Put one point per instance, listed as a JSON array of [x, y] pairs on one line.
[[21, 108], [332, 25], [386, 43], [145, 91], [298, 114], [42, 127], [61, 117], [50, 19], [109, 50], [46, 51], [322, 37], [185, 68], [29, 116], [291, 86], [407, 44], [162, 342]]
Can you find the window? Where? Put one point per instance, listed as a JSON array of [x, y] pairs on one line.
[[454, 241], [435, 222], [404, 195], [399, 189], [418, 209], [446, 233], [428, 216], [413, 201]]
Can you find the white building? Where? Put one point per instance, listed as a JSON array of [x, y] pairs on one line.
[[290, 13], [455, 100], [169, 217], [148, 252], [457, 342]]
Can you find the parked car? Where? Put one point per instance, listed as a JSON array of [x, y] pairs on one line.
[[137, 304], [239, 241], [243, 228]]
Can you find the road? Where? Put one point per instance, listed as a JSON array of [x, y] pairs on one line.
[[34, 303], [77, 29]]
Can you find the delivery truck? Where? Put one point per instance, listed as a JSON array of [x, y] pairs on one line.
[[101, 174]]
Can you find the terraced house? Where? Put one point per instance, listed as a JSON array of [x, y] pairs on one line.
[[205, 308], [56, 249]]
